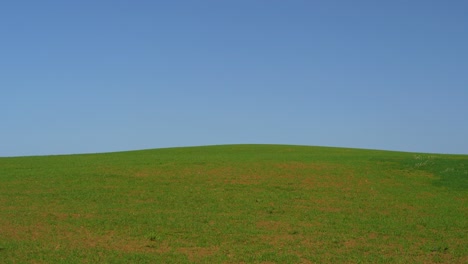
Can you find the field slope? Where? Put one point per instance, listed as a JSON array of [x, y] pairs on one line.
[[233, 204]]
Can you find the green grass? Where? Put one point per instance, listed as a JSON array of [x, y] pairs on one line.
[[233, 204]]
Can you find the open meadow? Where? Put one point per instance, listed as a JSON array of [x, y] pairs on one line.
[[235, 204]]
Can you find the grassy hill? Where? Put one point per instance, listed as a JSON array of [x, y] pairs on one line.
[[235, 203]]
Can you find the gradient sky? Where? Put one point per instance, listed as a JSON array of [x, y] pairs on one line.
[[101, 75]]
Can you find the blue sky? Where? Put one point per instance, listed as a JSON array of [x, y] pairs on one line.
[[98, 76]]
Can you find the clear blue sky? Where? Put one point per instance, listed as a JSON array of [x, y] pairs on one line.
[[101, 75]]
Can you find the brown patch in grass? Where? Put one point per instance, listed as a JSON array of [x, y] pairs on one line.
[[330, 209], [85, 238], [300, 165], [306, 261], [21, 232], [220, 172], [387, 246], [282, 240], [65, 236], [373, 235], [351, 243], [273, 225], [345, 182], [142, 174], [369, 239], [196, 254], [309, 242], [244, 179], [137, 173], [146, 173], [231, 175], [163, 248], [64, 216]]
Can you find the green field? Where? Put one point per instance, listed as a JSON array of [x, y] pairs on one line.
[[235, 204]]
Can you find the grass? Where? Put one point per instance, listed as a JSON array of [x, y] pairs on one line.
[[234, 204]]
